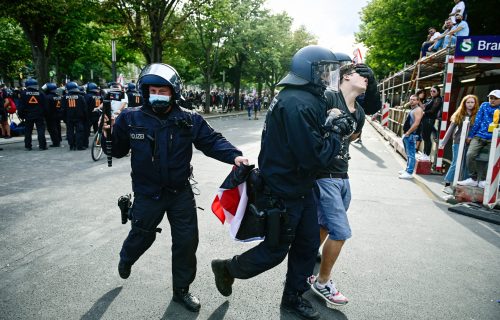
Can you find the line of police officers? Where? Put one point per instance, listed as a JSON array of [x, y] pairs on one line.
[[78, 109]]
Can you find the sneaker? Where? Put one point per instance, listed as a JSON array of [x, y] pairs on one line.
[[401, 171], [311, 279], [405, 175], [329, 293], [448, 190], [424, 157], [468, 182], [481, 184]]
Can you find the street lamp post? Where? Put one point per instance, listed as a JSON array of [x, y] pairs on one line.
[[113, 59]]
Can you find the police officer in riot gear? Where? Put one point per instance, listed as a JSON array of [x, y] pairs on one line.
[[76, 117], [54, 114], [134, 97], [160, 135], [296, 143], [33, 108], [93, 100]]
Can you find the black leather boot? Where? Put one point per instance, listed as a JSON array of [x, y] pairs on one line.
[[184, 297], [295, 303], [124, 269], [223, 279]]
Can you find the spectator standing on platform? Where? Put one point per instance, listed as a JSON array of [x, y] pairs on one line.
[[479, 137], [459, 8], [431, 109], [468, 108], [411, 131]]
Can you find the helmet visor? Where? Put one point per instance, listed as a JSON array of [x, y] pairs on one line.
[[327, 74], [161, 70]]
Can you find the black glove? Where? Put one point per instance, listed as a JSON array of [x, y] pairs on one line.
[[371, 102], [343, 125]]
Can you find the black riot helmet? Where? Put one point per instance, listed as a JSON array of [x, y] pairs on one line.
[[343, 58], [31, 84], [49, 87], [92, 87], [72, 87], [314, 65], [160, 74], [130, 86]]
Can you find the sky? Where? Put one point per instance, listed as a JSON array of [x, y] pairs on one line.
[[333, 22]]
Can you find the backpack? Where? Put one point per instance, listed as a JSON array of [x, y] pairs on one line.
[[11, 107]]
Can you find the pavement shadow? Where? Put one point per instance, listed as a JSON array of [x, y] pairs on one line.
[[101, 305], [178, 312], [220, 312], [370, 155], [485, 230]]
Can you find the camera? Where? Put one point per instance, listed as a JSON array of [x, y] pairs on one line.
[[113, 94]]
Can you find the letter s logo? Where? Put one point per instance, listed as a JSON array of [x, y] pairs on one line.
[[466, 45]]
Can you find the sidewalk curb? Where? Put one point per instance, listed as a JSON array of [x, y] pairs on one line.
[[466, 209]]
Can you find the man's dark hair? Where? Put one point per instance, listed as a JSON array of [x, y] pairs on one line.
[[347, 69], [431, 28]]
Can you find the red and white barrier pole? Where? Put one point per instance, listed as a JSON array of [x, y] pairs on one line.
[[492, 177], [385, 115], [444, 113]]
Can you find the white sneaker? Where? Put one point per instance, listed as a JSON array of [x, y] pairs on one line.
[[481, 184], [401, 171], [329, 293], [468, 182], [448, 190], [424, 157], [405, 175]]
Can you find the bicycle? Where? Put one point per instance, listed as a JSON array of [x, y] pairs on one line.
[[96, 149]]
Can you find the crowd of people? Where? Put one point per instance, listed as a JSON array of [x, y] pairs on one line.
[[420, 127], [455, 25]]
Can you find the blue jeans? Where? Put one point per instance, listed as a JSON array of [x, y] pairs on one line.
[[410, 149], [447, 40], [333, 197], [438, 45], [451, 171]]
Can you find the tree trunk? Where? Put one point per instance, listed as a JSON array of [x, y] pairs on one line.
[[207, 94]]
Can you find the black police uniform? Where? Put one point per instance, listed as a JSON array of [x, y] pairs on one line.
[[93, 100], [161, 148], [294, 147], [134, 99], [54, 117], [76, 116], [33, 108]]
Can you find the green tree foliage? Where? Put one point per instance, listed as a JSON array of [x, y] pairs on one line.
[[14, 50], [393, 30]]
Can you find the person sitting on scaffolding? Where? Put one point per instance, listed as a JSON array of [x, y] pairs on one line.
[[479, 138], [438, 41], [431, 39], [461, 28]]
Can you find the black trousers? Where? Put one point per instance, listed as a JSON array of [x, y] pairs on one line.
[[301, 251], [40, 129], [75, 133], [147, 214], [54, 128], [427, 130]]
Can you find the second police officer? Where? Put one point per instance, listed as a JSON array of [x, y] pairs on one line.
[[33, 108], [297, 141], [160, 135], [76, 117], [134, 97], [93, 101], [54, 113]]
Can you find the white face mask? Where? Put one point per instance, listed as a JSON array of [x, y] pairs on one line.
[[158, 98]]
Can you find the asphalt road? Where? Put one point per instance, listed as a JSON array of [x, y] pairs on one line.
[[60, 234]]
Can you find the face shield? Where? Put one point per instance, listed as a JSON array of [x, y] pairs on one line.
[[326, 74]]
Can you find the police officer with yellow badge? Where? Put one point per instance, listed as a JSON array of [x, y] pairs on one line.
[[33, 108], [76, 116]]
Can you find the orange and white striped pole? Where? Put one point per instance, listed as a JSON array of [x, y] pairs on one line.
[[444, 113], [492, 177], [385, 115]]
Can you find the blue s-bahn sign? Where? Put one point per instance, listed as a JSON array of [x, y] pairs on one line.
[[478, 46]]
